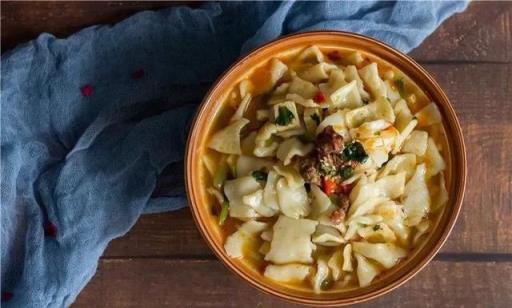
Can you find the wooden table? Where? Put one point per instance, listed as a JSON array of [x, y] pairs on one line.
[[163, 261]]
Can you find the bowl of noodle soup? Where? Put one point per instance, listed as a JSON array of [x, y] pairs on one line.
[[325, 168]]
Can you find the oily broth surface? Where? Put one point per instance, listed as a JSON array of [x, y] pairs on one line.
[[260, 79]]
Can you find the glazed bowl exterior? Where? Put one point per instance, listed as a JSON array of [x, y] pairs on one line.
[[455, 173]]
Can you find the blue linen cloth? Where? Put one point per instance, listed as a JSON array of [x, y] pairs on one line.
[[91, 137]]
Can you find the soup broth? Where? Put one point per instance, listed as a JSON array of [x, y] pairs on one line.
[[325, 169]]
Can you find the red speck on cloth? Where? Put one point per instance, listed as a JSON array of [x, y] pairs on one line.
[[6, 296], [138, 74], [87, 90], [50, 229]]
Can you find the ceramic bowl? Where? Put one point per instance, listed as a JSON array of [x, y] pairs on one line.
[[455, 173]]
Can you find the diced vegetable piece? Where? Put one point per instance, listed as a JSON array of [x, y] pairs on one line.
[[329, 186], [400, 85], [224, 213], [220, 176]]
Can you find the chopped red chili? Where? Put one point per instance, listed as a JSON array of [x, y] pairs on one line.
[[320, 97], [329, 186]]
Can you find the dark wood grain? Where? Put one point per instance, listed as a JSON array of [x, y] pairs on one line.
[[23, 21], [481, 33], [206, 283], [481, 96]]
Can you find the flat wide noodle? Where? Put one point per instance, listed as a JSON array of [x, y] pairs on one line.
[[235, 190], [366, 271], [227, 140], [236, 242], [288, 272], [291, 242], [416, 198]]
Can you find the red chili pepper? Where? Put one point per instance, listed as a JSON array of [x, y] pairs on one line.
[[334, 55], [319, 97], [329, 186]]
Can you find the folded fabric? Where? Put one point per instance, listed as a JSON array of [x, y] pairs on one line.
[[91, 137]]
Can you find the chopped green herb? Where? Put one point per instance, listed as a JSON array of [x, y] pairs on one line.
[[220, 176], [346, 172], [259, 175], [285, 116], [307, 137], [377, 227], [400, 84], [355, 151], [224, 213], [315, 118]]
